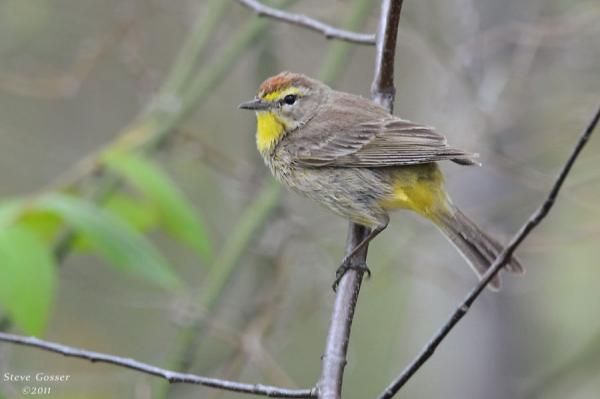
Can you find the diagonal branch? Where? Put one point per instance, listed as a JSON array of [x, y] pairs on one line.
[[500, 261], [309, 23], [171, 376], [334, 358]]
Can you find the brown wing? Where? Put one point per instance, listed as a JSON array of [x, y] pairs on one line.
[[385, 141]]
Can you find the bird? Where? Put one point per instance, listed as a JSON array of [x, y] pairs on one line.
[[351, 155]]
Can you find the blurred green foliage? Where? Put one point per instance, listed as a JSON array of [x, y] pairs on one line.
[[111, 237], [174, 212], [30, 228], [28, 283]]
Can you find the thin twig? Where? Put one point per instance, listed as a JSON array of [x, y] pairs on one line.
[[500, 261], [309, 23], [334, 357], [171, 376]]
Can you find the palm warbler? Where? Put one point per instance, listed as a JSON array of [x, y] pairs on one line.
[[351, 155]]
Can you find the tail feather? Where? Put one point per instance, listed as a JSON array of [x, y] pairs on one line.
[[479, 249]]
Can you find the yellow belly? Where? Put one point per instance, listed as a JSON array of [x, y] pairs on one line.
[[419, 188]]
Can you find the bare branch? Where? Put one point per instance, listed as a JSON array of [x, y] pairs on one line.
[[306, 22], [334, 358], [171, 376], [500, 261], [382, 89]]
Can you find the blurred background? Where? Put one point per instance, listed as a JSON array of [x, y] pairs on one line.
[[141, 221]]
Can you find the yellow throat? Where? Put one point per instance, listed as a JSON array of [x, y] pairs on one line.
[[269, 129]]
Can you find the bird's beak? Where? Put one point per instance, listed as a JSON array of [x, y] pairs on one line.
[[255, 105]]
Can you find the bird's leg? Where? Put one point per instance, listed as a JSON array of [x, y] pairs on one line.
[[347, 263]]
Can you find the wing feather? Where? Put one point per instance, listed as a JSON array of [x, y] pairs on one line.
[[389, 141]]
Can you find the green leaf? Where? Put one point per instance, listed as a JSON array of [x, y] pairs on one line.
[[114, 239], [139, 214], [45, 224], [24, 212], [28, 278], [177, 214], [9, 211]]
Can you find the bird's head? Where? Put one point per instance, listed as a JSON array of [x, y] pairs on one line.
[[284, 103]]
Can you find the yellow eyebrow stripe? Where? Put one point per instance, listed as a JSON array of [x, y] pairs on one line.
[[274, 95]]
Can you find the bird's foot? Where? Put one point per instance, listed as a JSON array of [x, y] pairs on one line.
[[346, 265]]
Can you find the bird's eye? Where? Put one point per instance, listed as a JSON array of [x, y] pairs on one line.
[[290, 99]]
